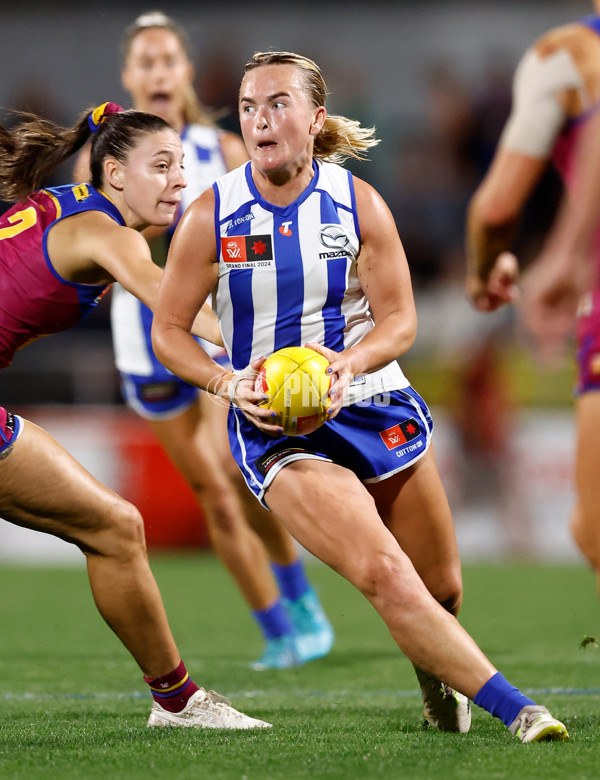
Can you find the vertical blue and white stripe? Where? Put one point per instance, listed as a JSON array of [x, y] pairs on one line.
[[310, 291]]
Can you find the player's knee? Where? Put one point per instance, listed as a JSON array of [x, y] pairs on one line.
[[382, 578], [585, 528], [222, 513], [124, 530], [449, 590]]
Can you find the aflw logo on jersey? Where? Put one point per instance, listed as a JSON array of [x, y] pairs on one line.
[[247, 251], [400, 434]]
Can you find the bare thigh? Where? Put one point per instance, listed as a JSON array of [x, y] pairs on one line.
[[44, 488], [587, 467], [414, 507], [588, 449], [189, 441], [328, 510]]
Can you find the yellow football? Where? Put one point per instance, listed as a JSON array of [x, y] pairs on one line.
[[296, 384]]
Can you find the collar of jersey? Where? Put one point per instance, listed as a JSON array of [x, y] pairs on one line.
[[282, 210], [114, 210]]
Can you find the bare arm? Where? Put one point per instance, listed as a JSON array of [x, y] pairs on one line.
[[565, 269], [492, 218], [553, 81], [188, 279], [90, 248], [191, 274], [570, 240]]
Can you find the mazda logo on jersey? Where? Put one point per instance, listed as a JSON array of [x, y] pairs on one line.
[[334, 237], [240, 251]]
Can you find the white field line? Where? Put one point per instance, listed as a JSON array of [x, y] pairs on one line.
[[276, 693]]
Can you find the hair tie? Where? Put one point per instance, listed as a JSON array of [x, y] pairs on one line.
[[99, 115]]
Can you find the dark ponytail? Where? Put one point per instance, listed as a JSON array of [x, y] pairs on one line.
[[33, 150]]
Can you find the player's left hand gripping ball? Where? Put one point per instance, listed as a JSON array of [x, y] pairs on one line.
[[296, 383]]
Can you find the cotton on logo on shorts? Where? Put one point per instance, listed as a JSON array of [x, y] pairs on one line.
[[400, 434]]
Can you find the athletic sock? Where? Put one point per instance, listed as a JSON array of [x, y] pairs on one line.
[[173, 691], [292, 580], [273, 621], [501, 699]]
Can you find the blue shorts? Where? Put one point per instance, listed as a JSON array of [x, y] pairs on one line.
[[159, 397], [149, 388], [374, 438]]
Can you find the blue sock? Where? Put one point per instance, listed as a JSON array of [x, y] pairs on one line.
[[292, 580], [501, 699], [273, 621]]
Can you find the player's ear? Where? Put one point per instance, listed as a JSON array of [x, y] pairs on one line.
[[318, 120], [113, 173]]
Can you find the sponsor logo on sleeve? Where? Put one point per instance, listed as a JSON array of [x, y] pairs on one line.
[[247, 251]]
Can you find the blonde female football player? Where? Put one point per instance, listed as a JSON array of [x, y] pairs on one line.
[[259, 553], [556, 97], [319, 261], [60, 248]]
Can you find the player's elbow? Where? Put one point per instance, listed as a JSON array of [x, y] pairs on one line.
[[406, 331], [159, 336], [410, 335]]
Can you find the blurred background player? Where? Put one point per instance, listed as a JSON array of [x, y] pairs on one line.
[[191, 427], [556, 94], [60, 248], [560, 296]]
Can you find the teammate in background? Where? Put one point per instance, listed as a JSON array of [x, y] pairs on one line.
[[362, 492], [60, 248], [556, 94], [158, 74]]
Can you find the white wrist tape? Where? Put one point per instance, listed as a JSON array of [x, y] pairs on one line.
[[238, 376]]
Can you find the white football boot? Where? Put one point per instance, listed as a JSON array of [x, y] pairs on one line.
[[535, 724], [205, 710], [444, 708]]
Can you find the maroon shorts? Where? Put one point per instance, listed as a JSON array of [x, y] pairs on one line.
[[10, 428]]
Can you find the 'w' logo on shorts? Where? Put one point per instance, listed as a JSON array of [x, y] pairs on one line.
[[399, 434]]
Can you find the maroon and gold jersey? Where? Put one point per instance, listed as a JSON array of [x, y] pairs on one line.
[[34, 299]]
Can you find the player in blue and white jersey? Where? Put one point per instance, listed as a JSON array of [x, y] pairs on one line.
[[259, 553], [296, 250]]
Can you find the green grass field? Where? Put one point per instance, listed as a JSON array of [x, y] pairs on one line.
[[74, 704]]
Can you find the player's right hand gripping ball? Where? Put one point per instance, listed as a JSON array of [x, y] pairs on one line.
[[296, 384]]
